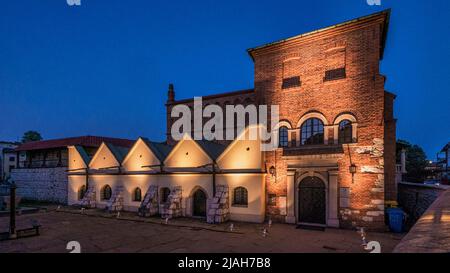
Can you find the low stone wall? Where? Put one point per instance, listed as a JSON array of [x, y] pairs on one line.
[[416, 198], [41, 184], [431, 233]]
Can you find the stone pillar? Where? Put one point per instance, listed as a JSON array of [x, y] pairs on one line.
[[290, 198], [403, 160], [333, 220]]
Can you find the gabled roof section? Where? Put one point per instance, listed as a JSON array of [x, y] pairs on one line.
[[86, 158], [118, 152], [383, 16], [160, 149], [213, 149], [85, 141], [191, 161]]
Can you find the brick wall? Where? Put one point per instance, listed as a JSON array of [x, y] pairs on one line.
[[244, 97], [361, 93], [357, 48], [42, 184]]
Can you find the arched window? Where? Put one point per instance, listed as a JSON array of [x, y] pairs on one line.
[[164, 195], [137, 195], [240, 196], [312, 132], [345, 132], [106, 192], [283, 136], [81, 192]]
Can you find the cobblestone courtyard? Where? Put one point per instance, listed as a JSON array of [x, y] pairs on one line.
[[100, 232]]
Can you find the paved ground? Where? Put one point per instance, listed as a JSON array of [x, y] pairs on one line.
[[98, 232]]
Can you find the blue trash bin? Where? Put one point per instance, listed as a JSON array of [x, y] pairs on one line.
[[396, 218]]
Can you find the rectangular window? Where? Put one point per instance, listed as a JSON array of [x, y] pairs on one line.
[[12, 159], [291, 82], [334, 74]]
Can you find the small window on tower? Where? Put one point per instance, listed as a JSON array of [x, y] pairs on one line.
[[291, 82], [291, 72], [335, 64], [335, 74]]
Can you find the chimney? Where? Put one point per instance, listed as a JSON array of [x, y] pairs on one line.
[[171, 94]]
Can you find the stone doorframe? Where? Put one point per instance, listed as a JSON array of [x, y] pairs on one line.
[[329, 177]]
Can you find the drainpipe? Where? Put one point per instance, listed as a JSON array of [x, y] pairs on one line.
[[214, 178], [87, 178]]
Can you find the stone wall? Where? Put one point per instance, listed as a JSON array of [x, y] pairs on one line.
[[41, 184], [431, 233], [415, 199]]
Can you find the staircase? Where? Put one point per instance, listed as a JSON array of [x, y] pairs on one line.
[[88, 200], [149, 205], [218, 211], [172, 208], [115, 203]]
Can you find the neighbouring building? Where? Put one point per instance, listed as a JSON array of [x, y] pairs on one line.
[[443, 164], [7, 158], [335, 165], [41, 166]]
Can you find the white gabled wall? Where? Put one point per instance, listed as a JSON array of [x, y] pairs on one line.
[[75, 159], [103, 158], [187, 154], [140, 155], [242, 153]]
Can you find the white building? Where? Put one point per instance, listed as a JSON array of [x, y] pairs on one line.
[[8, 158], [192, 178]]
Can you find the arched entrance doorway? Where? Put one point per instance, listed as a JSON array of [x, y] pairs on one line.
[[199, 203], [312, 201]]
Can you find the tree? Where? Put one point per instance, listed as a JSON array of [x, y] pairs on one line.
[[416, 161], [31, 136]]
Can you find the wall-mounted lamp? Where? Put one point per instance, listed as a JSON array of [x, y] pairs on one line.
[[272, 170], [352, 169]]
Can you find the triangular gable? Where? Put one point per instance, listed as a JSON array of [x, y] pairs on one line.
[[187, 154], [78, 158], [242, 153], [213, 149], [104, 158], [141, 154], [161, 150]]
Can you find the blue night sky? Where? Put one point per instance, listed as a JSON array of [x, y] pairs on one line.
[[102, 68]]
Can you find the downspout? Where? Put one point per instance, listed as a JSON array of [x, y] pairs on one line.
[[214, 177], [87, 178]]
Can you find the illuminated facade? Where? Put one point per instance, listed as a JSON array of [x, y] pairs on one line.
[[234, 189], [335, 164]]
